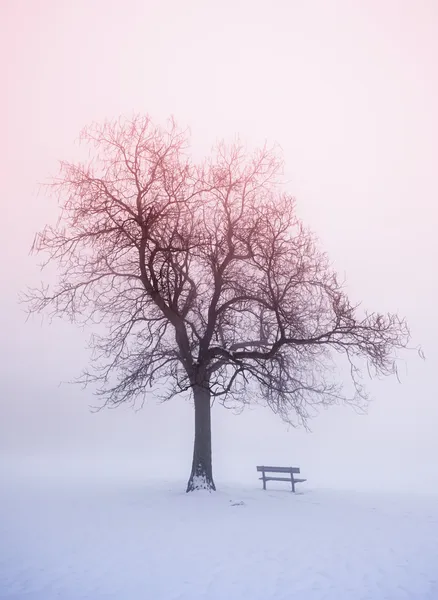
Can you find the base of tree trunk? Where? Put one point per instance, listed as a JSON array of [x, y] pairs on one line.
[[200, 481]]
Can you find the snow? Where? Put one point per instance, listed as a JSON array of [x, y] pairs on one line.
[[199, 482], [132, 540]]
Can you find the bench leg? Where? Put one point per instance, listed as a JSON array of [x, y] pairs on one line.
[[292, 482], [264, 481]]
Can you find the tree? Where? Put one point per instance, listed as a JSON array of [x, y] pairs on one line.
[[205, 281]]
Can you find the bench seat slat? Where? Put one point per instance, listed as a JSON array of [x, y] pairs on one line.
[[277, 479]]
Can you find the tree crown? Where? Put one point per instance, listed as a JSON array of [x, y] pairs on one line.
[[203, 276]]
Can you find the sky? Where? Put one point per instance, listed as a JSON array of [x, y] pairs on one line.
[[349, 90]]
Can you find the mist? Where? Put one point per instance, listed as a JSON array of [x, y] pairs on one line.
[[350, 93]]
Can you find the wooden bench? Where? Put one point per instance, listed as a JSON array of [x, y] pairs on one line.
[[290, 470]]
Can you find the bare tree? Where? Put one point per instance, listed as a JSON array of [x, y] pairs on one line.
[[205, 280]]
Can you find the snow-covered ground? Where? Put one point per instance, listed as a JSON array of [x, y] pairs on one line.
[[130, 540]]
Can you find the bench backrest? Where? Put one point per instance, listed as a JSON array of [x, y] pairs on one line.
[[278, 469]]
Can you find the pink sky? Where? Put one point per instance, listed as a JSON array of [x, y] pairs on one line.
[[348, 89]]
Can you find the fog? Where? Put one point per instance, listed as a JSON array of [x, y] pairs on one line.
[[350, 92]]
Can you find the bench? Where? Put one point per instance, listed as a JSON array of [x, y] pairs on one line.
[[291, 471]]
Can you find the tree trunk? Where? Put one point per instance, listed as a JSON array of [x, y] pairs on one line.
[[201, 477]]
